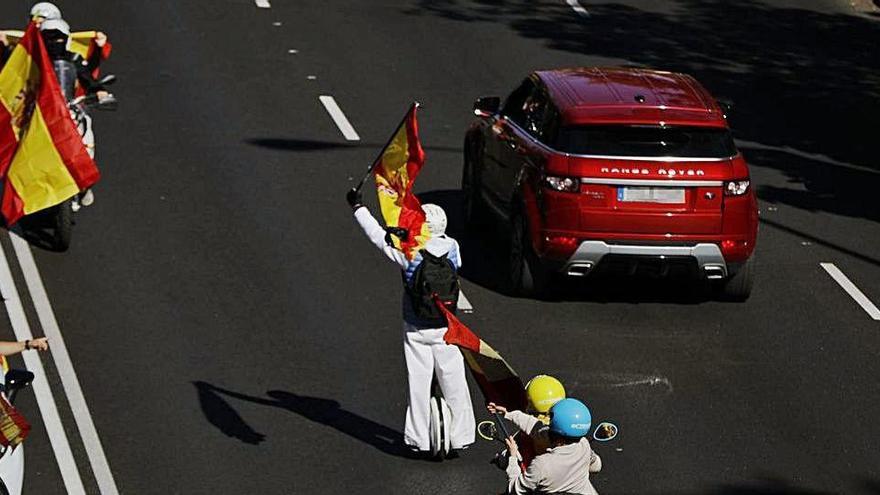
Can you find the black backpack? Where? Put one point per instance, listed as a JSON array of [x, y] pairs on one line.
[[434, 275]]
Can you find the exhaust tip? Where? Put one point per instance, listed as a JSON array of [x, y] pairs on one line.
[[579, 269], [714, 272]]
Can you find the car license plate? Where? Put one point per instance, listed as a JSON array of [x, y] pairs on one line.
[[670, 195]]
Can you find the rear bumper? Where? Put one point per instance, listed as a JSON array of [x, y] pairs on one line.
[[589, 254]]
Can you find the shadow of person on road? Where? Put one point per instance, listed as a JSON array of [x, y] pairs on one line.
[[484, 256], [327, 412], [224, 417]]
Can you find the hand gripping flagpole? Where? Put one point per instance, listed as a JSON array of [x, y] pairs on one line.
[[412, 108]]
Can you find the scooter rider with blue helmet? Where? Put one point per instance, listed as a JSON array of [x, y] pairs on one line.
[[566, 466]]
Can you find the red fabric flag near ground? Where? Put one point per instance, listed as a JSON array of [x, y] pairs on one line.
[[496, 379]]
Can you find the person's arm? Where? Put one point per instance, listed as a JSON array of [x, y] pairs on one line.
[[376, 234], [595, 460], [520, 482], [10, 348], [525, 422]]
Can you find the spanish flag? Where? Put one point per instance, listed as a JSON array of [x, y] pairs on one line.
[[395, 173], [43, 160], [496, 379]]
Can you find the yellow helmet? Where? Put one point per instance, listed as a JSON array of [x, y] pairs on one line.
[[544, 391]]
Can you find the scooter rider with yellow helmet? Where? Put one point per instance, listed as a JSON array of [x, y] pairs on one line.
[[543, 391]]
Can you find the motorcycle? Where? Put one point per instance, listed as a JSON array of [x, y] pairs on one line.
[[12, 458], [59, 218]]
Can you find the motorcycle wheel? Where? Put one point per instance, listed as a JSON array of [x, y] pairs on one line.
[[62, 225]]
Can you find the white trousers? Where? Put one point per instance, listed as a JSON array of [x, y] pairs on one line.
[[426, 354]]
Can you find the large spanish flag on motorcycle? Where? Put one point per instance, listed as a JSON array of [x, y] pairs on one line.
[[43, 160], [395, 173]]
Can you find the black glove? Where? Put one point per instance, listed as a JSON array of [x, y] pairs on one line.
[[399, 232], [355, 198]]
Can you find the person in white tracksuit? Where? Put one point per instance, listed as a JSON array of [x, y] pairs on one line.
[[424, 349]]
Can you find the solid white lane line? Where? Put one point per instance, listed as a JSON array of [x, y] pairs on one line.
[[463, 304], [339, 117], [577, 8], [852, 290], [45, 400], [94, 449], [263, 4]]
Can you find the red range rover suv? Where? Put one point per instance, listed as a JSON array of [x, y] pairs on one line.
[[594, 167]]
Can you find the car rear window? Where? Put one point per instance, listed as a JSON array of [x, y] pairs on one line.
[[647, 141]]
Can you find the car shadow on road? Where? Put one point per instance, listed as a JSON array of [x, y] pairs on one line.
[[309, 145], [484, 262], [327, 412]]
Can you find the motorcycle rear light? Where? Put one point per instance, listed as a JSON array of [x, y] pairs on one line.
[[736, 187], [562, 184]]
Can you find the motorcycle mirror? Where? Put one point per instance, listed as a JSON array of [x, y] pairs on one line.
[[605, 432], [488, 431], [107, 79]]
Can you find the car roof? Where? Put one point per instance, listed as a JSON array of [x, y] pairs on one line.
[[602, 95]]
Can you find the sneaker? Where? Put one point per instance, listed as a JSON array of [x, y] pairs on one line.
[[88, 198], [74, 205]]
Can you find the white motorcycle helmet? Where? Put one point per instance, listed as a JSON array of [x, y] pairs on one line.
[[56, 25], [435, 217], [45, 10]]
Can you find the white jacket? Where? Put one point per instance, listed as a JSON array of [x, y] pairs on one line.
[[564, 469], [437, 245]]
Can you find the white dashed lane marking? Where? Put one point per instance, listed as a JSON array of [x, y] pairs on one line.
[[463, 304], [578, 8], [852, 290], [339, 118], [263, 4]]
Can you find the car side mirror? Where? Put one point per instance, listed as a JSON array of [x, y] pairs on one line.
[[487, 106], [17, 380]]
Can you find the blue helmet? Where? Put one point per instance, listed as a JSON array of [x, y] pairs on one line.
[[570, 418]]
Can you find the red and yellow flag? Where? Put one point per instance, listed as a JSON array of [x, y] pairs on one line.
[[496, 379], [42, 157], [395, 173]]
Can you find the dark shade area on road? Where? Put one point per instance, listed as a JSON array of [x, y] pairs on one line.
[[327, 412], [798, 77]]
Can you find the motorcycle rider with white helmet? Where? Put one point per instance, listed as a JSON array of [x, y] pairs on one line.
[[423, 345], [45, 11]]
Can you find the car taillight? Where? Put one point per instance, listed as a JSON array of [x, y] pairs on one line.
[[562, 184], [736, 187], [559, 246]]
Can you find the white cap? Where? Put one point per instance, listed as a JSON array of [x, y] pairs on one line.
[[435, 217], [46, 10], [56, 25]]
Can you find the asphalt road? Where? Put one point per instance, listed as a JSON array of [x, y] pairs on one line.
[[233, 331]]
